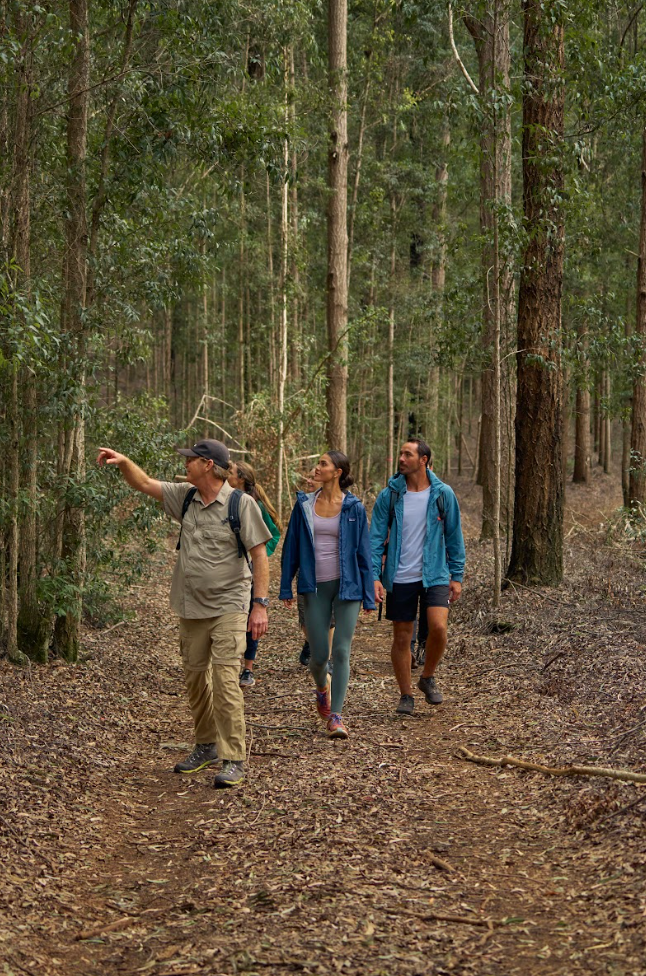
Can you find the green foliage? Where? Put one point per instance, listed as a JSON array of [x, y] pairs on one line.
[[125, 530]]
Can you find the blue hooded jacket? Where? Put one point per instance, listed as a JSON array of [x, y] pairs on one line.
[[355, 581], [443, 558]]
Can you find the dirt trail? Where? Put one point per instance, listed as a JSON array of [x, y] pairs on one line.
[[387, 854]]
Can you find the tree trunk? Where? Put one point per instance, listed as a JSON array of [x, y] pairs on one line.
[[296, 339], [581, 474], [438, 281], [241, 286], [273, 343], [390, 383], [282, 365], [30, 632], [607, 425], [13, 534], [490, 32], [537, 547], [337, 229], [67, 633], [637, 479]]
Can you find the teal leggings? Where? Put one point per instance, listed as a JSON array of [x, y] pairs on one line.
[[318, 613]]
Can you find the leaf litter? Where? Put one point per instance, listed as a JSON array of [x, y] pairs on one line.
[[384, 854]]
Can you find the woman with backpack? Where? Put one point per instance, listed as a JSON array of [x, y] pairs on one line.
[[242, 476], [327, 543]]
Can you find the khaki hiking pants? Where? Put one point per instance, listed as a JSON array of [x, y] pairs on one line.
[[211, 649]]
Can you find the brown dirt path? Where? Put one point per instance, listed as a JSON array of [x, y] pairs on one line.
[[327, 859]]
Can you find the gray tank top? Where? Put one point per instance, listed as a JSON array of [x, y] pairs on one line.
[[326, 547]]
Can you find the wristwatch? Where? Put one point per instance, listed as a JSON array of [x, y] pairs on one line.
[[262, 600]]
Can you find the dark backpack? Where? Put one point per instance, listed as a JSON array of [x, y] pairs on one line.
[[233, 518]]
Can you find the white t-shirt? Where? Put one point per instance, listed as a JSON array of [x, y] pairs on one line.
[[413, 536]]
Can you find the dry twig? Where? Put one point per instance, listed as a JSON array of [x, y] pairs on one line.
[[621, 774]]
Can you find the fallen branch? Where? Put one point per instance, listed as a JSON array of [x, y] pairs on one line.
[[552, 659], [121, 923], [441, 917], [439, 863], [120, 623], [621, 774], [280, 755]]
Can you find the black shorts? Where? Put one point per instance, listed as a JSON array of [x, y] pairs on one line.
[[402, 602]]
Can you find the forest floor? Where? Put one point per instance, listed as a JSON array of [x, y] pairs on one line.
[[385, 854]]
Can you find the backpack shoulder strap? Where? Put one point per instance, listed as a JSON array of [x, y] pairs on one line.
[[391, 507], [441, 506], [188, 498], [234, 523]]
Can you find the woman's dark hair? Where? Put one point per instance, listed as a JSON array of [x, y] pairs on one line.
[[340, 460]]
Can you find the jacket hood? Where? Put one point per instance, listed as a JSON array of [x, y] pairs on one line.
[[308, 498]]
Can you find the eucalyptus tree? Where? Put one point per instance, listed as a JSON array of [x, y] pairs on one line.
[[489, 26], [537, 547], [337, 209], [637, 480]]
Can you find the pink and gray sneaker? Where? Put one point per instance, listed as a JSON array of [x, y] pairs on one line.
[[335, 727]]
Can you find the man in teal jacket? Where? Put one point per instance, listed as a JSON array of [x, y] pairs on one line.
[[416, 523]]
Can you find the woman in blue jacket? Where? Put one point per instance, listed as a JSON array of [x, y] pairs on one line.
[[328, 543]]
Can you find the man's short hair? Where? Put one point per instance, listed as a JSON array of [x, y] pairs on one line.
[[422, 448]]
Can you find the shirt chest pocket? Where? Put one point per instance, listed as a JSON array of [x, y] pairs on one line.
[[211, 542]]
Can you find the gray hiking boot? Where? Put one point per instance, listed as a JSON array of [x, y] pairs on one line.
[[406, 705], [247, 679], [231, 774], [431, 691], [204, 754]]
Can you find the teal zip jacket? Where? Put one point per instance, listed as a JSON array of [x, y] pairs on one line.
[[443, 547]]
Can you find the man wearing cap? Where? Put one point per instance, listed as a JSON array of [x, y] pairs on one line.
[[210, 592]]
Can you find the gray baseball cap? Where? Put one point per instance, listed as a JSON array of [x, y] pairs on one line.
[[214, 451]]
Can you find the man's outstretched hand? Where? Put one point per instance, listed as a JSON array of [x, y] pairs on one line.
[[107, 456]]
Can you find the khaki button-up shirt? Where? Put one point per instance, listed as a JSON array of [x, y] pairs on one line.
[[209, 577]]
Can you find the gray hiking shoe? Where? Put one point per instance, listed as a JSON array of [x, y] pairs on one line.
[[231, 774], [406, 705], [431, 691], [247, 679], [204, 754]]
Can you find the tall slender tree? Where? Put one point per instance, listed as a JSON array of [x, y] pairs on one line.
[[488, 24], [67, 628], [537, 547], [337, 226], [637, 476]]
